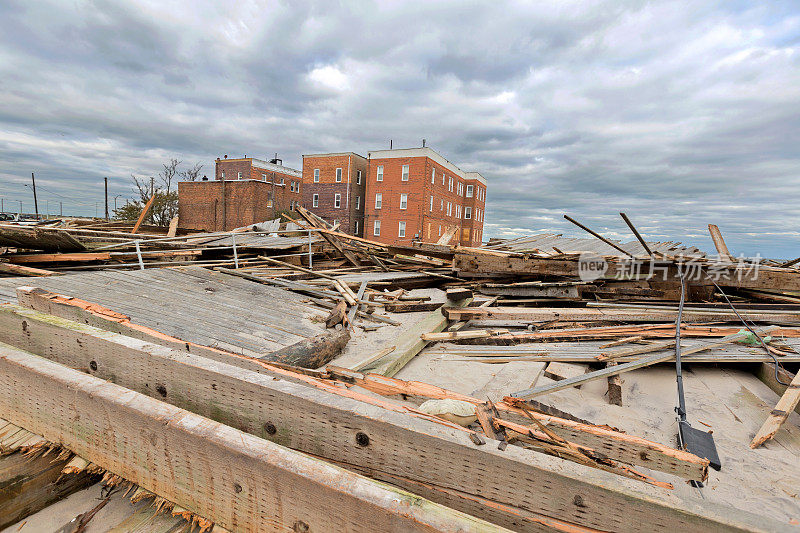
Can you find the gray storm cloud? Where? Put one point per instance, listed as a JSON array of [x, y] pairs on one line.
[[678, 114]]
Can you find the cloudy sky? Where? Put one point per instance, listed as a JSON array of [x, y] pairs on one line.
[[678, 113]]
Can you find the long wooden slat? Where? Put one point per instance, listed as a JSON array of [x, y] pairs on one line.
[[778, 416], [241, 482], [719, 242], [326, 424], [143, 214]]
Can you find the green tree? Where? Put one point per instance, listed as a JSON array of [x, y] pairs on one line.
[[165, 203]]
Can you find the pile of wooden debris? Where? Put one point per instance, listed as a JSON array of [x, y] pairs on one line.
[[304, 379]]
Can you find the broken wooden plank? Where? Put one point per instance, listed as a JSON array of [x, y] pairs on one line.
[[332, 239], [241, 482], [450, 336], [458, 293], [411, 307], [409, 343], [766, 373], [337, 314], [19, 270], [787, 403], [314, 352], [143, 214], [719, 243], [374, 357], [614, 387], [29, 484]]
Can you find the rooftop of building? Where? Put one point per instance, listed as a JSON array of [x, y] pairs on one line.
[[334, 154], [265, 165], [426, 152]]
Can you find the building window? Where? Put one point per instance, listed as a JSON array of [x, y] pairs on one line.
[[376, 229], [315, 201], [358, 202], [316, 175], [358, 181], [469, 191], [282, 182], [338, 175], [380, 173], [355, 228], [443, 178], [433, 176], [468, 213], [450, 184], [269, 200], [458, 211], [264, 177], [403, 201], [238, 175], [440, 230], [378, 200], [431, 203], [401, 229], [337, 200], [441, 204], [449, 209], [405, 173], [222, 174], [335, 222]]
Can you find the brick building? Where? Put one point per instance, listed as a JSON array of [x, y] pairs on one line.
[[245, 191], [416, 193], [334, 188]]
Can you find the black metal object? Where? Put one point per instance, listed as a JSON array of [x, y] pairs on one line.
[[698, 442]]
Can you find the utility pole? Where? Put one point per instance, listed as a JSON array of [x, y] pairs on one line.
[[20, 207], [2, 205], [35, 202], [105, 180], [61, 209]]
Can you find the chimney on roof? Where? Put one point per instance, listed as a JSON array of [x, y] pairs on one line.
[[423, 143], [276, 161], [390, 144], [226, 156], [205, 178]]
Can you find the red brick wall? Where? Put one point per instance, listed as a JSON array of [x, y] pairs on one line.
[[231, 168], [327, 188], [201, 205], [391, 188]]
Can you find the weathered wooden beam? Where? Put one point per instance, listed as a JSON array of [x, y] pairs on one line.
[[411, 307], [409, 343], [614, 387], [241, 482], [744, 277], [327, 423], [787, 403], [143, 214], [450, 336], [19, 270], [314, 352], [75, 257], [534, 314]]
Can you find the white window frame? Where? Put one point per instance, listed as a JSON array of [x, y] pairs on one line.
[[468, 213], [444, 178], [315, 200], [222, 174], [404, 201], [338, 175], [469, 191], [401, 228], [316, 175], [238, 175], [441, 204], [450, 184], [379, 173], [433, 176], [358, 202], [458, 210], [337, 200], [264, 177], [355, 228], [358, 179], [378, 200], [449, 209], [376, 228], [431, 209], [406, 173]]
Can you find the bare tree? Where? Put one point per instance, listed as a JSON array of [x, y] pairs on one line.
[[192, 173], [168, 174]]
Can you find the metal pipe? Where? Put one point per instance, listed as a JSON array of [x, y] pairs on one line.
[[608, 242]]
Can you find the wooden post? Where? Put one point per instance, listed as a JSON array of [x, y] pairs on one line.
[[143, 214]]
